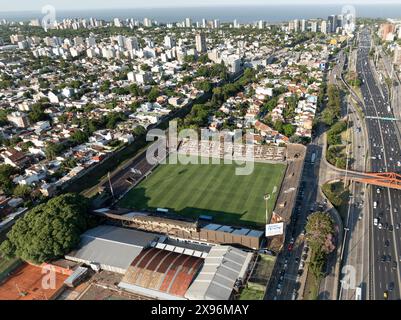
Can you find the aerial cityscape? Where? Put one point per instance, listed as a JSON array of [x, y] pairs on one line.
[[169, 157]]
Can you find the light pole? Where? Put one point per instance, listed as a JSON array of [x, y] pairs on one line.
[[267, 197]]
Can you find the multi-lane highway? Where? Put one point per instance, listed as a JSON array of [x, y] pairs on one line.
[[384, 204]]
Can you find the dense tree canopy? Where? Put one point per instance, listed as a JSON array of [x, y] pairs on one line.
[[49, 230]]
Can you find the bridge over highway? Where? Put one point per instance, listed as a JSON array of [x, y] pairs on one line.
[[383, 179]]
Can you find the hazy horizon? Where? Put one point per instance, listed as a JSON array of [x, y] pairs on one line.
[[74, 5]]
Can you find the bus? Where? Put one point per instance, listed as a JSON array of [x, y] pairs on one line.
[[358, 293]]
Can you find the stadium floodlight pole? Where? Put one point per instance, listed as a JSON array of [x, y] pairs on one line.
[[267, 197], [111, 186]]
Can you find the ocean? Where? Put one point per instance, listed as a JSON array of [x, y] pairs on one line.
[[243, 14]]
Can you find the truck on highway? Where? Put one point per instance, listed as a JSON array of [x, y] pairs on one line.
[[313, 158]]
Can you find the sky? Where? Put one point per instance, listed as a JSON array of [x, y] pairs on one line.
[[37, 5]]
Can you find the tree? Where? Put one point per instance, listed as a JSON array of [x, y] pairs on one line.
[[319, 234], [134, 106], [145, 67], [135, 90], [278, 126], [49, 230], [139, 131], [288, 130], [153, 94], [79, 137], [6, 184], [3, 117], [52, 150], [22, 191], [37, 113], [318, 227]]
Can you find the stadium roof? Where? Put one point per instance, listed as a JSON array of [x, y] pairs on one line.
[[222, 267], [111, 246], [164, 273]]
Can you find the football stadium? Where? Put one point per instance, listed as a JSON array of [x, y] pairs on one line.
[[194, 190]]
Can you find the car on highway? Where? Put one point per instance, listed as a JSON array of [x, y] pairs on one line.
[[394, 265], [388, 258], [383, 258], [380, 226], [390, 286], [385, 226], [390, 228], [374, 205], [378, 190], [375, 221], [397, 226], [385, 295], [290, 247], [387, 243]]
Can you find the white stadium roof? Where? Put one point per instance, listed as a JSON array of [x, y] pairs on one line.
[[222, 267]]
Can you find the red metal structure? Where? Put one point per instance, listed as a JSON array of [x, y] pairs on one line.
[[387, 179]]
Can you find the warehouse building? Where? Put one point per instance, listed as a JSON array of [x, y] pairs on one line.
[[111, 248]]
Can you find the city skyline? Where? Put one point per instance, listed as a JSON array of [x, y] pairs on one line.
[[124, 4]]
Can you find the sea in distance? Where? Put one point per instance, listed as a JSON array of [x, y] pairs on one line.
[[243, 14]]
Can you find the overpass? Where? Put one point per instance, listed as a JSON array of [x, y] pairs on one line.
[[390, 180]]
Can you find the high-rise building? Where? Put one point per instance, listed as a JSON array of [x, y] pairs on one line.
[[91, 41], [203, 23], [131, 43], [117, 22], [296, 25], [323, 26], [303, 25], [169, 42], [188, 22], [147, 22], [261, 24], [200, 41], [386, 31], [332, 23], [216, 24], [235, 24], [313, 26], [78, 41]]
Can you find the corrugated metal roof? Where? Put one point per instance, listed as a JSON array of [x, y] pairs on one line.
[[164, 271], [221, 269], [111, 246]]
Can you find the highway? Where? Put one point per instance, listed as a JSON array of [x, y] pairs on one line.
[[384, 203]]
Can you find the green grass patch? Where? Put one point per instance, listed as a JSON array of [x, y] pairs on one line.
[[253, 291], [312, 287], [338, 195], [209, 189]]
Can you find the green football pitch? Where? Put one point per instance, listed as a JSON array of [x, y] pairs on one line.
[[214, 189]]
